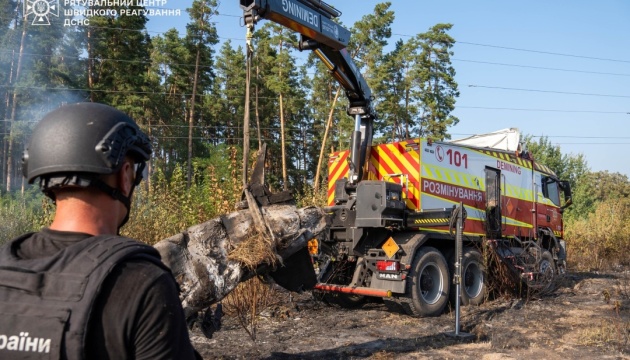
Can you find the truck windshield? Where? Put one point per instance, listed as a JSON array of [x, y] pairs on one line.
[[551, 190]]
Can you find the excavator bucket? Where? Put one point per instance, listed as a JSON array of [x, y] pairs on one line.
[[296, 273], [258, 188]]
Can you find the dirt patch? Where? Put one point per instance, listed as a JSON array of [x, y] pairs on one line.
[[588, 316]]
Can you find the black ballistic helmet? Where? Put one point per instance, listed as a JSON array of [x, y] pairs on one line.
[[83, 138], [75, 144]]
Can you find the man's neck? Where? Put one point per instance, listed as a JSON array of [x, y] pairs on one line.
[[80, 215]]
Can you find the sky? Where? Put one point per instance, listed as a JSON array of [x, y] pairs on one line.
[[559, 69]]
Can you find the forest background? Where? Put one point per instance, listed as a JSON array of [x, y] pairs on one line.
[[188, 94]]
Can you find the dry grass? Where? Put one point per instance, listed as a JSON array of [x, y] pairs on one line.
[[600, 241], [257, 249], [166, 206], [246, 303], [383, 355], [608, 333], [502, 280], [613, 331], [309, 197], [624, 287]]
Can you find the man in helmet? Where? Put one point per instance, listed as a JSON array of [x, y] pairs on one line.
[[76, 289]]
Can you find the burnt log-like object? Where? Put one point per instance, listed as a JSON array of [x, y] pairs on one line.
[[266, 236], [200, 256]]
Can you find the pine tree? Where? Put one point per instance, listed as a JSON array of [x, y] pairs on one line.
[[169, 69], [200, 35], [10, 15], [284, 81], [370, 35], [398, 105], [228, 93], [265, 101], [118, 60], [43, 61], [327, 106], [436, 78]]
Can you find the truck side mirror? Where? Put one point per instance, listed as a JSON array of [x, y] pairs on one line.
[[568, 199]]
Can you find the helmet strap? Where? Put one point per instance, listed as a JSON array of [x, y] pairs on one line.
[[48, 184], [116, 194]]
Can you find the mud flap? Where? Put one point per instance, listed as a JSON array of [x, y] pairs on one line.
[[297, 272]]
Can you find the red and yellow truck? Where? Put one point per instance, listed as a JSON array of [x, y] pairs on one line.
[[392, 205], [397, 242]]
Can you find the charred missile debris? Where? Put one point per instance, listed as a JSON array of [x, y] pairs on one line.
[[268, 236], [208, 260]]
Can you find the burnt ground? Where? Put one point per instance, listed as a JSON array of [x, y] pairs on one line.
[[587, 317]]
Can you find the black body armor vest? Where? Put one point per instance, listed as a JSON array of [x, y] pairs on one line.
[[46, 303]]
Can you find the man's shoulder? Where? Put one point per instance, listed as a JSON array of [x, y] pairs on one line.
[[148, 269], [133, 280]]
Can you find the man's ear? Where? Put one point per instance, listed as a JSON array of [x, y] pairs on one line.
[[124, 177]]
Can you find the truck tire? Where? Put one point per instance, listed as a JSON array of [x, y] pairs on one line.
[[473, 291], [547, 270], [427, 284]]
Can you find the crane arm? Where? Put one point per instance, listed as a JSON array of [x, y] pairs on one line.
[[329, 40]]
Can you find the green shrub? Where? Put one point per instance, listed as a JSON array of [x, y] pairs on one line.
[[166, 206], [161, 207], [22, 213], [307, 196], [602, 238]]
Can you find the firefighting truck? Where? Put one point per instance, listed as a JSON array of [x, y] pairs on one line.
[[392, 205]]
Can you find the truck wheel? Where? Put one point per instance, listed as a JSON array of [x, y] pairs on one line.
[[473, 291], [428, 284], [545, 273], [547, 270]]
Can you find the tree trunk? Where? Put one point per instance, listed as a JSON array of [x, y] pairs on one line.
[[257, 112], [246, 116], [90, 64], [191, 119], [14, 110], [321, 152], [7, 100], [5, 127], [149, 163], [407, 120], [285, 185]]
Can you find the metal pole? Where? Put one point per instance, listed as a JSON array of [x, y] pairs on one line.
[[248, 70], [355, 155], [457, 277], [458, 266]]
